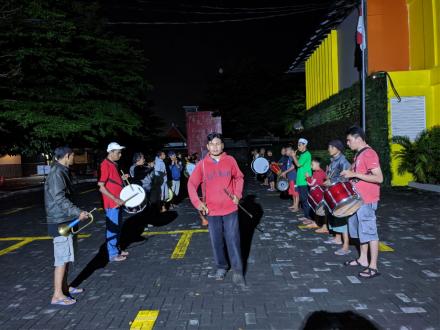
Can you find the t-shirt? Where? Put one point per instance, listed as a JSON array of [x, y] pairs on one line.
[[319, 177], [364, 162], [291, 176], [283, 162], [305, 166], [112, 181]]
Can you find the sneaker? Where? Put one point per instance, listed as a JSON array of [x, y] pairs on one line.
[[342, 252], [220, 274], [270, 189], [238, 280]]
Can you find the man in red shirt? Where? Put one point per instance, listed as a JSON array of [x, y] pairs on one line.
[[110, 185], [366, 175], [219, 174]]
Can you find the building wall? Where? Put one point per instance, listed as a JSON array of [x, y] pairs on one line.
[[322, 71], [348, 51], [10, 166], [387, 35], [424, 77]]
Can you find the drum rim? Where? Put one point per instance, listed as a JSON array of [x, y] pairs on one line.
[[343, 201], [252, 165], [335, 183], [143, 208]]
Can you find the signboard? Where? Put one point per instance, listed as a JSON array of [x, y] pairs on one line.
[[43, 169], [408, 117], [198, 125]]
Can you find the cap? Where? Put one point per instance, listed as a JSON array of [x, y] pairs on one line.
[[114, 146], [303, 141]]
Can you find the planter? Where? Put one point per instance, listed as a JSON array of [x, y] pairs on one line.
[[425, 186]]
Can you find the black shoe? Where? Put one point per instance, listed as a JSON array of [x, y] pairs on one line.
[[220, 274]]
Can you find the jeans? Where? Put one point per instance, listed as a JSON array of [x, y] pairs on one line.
[[113, 224], [226, 229], [303, 195], [175, 187]]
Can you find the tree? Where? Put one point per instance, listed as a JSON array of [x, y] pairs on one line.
[[65, 80]]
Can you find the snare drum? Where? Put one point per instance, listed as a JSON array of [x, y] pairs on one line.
[[316, 200], [342, 199], [260, 165], [282, 184], [135, 197]]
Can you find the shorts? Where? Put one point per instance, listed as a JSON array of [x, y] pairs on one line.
[[363, 225], [292, 191], [63, 250]]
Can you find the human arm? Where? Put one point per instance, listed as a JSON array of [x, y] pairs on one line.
[[107, 193], [374, 176], [238, 178], [194, 182], [58, 188]]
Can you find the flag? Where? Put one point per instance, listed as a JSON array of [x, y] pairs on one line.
[[360, 34]]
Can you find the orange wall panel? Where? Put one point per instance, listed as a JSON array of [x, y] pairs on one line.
[[387, 35]]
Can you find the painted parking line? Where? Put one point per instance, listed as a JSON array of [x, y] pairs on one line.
[[17, 209], [184, 240], [385, 248], [22, 241], [144, 320]]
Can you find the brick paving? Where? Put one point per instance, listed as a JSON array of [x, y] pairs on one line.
[[290, 272]]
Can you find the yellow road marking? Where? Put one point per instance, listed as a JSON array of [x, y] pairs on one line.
[[302, 226], [385, 248], [26, 240], [87, 191], [183, 243], [144, 320], [18, 209]]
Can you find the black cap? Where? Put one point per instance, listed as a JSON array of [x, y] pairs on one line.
[[337, 144]]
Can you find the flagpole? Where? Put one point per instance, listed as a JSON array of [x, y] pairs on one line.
[[364, 69]]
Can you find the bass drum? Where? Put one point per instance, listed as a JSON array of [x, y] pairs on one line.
[[136, 198], [282, 184], [260, 165]]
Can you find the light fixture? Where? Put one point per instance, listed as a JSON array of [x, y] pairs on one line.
[[378, 74]]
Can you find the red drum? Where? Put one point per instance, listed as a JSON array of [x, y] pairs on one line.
[[275, 168], [342, 199], [316, 200]]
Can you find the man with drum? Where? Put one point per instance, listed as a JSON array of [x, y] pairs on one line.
[[110, 186], [338, 163], [222, 188], [366, 176]]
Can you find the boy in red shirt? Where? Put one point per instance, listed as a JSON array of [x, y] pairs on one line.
[[367, 176], [110, 185], [317, 179], [216, 173]]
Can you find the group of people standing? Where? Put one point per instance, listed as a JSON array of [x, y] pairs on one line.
[[221, 183], [305, 172]]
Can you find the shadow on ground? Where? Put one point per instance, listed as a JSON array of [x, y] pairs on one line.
[[132, 230]]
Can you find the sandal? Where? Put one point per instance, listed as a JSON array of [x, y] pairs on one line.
[[73, 290], [369, 273], [356, 263], [322, 231], [124, 253], [118, 258], [63, 302]]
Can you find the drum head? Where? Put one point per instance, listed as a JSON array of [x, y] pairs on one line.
[[260, 165], [133, 194], [347, 208], [282, 185]]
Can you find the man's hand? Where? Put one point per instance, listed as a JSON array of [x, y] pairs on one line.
[[235, 199], [348, 174], [84, 215], [125, 176], [203, 209], [327, 183], [119, 201], [283, 174]]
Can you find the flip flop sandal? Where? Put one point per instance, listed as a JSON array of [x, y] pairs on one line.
[[64, 302], [73, 290], [124, 253], [368, 273], [357, 263], [312, 226]]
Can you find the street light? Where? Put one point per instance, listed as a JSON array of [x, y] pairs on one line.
[[378, 74]]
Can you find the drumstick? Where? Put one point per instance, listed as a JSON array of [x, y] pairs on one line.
[[130, 198], [239, 205], [126, 181]]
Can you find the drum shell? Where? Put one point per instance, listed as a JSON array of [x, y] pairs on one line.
[[275, 168], [133, 205], [316, 200], [340, 194]]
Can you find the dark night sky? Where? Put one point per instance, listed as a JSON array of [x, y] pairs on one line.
[[183, 58]]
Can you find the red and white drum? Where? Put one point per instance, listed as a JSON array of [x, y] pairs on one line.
[[342, 199], [274, 167], [316, 200]]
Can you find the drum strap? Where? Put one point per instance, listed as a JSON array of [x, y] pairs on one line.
[[355, 162], [203, 182]]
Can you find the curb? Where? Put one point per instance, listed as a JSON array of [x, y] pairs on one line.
[[26, 191], [425, 186]]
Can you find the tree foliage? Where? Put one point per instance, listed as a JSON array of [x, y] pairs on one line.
[[421, 158], [64, 79]]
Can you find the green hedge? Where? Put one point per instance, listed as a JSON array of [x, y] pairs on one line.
[[330, 119]]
